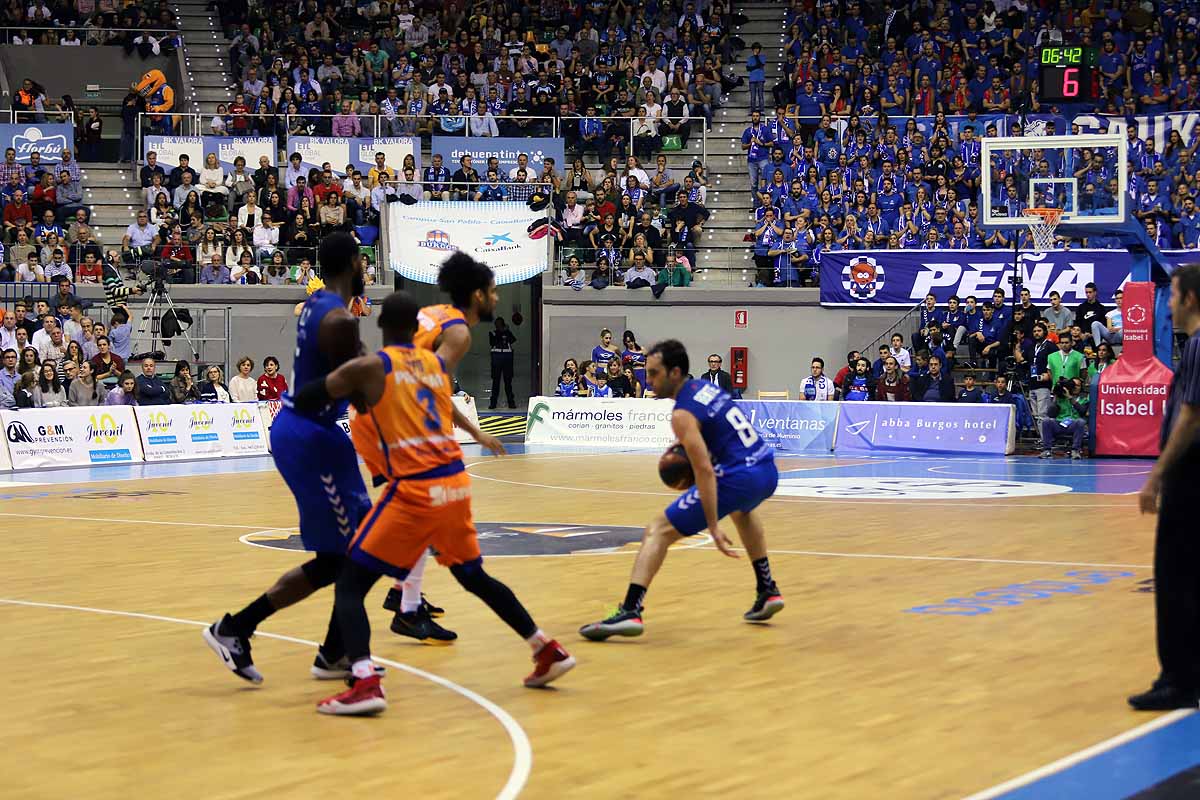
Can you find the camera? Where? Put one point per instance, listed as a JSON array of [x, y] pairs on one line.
[[1064, 388]]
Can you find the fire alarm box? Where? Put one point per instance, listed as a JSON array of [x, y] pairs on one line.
[[739, 361]]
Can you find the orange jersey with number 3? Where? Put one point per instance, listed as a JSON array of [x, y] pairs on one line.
[[410, 431], [432, 320]]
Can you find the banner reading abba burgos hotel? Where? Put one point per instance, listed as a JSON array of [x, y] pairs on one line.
[[617, 422]]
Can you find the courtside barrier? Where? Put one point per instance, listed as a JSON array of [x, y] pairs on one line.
[[464, 403], [790, 426], [926, 428], [202, 430], [71, 437]]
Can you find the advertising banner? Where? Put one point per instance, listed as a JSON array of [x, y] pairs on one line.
[[170, 148], [902, 278], [506, 150], [60, 437], [251, 148], [267, 409], [422, 236], [1155, 127], [1131, 398], [926, 428], [341, 151], [210, 430], [48, 139], [595, 421], [791, 426]]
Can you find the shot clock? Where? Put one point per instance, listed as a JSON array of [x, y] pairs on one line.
[[1068, 73]]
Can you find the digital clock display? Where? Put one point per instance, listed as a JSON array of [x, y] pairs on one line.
[[1067, 74]]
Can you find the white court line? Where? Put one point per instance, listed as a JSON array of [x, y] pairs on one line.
[[772, 551], [522, 749], [1082, 755], [778, 499]]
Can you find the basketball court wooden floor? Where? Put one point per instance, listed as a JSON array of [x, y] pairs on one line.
[[951, 626]]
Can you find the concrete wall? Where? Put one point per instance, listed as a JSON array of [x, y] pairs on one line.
[[66, 70], [786, 327]]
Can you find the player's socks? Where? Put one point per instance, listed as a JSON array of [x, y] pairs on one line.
[[762, 575], [327, 669], [635, 595], [246, 621], [363, 668], [410, 599], [538, 640]]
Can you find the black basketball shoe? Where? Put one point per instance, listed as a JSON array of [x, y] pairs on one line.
[[394, 596], [420, 626], [233, 648], [766, 605], [619, 623]]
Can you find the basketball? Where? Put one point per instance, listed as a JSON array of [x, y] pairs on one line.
[[675, 469]]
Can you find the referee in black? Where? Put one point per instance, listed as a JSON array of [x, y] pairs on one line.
[[502, 340], [1170, 490]]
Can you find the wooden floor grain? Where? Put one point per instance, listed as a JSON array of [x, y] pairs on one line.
[[845, 695]]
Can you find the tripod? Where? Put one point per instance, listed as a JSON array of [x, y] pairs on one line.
[[150, 323]]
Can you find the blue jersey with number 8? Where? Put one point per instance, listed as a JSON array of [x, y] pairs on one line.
[[731, 439]]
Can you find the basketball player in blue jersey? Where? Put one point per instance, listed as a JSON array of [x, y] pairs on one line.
[[734, 471], [319, 465]]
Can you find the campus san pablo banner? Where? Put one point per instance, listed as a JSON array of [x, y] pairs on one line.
[[47, 139], [902, 278], [422, 236], [506, 150], [169, 148], [926, 428]]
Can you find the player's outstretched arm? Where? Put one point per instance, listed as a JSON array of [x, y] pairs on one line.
[[687, 431], [488, 441], [360, 377], [454, 344]]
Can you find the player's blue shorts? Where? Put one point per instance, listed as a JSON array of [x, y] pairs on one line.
[[737, 490], [319, 465]]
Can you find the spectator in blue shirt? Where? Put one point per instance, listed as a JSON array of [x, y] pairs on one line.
[[928, 318], [756, 142], [756, 65], [986, 337], [970, 393]]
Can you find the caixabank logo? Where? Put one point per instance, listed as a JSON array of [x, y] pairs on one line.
[[511, 539]]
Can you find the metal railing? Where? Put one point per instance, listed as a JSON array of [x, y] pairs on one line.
[[86, 35], [715, 267]]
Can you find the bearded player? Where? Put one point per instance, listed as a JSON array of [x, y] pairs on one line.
[[329, 491], [734, 472], [406, 393], [446, 330]]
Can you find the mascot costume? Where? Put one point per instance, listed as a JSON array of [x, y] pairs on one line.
[[160, 99]]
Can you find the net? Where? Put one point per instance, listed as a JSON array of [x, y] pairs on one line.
[[1043, 230]]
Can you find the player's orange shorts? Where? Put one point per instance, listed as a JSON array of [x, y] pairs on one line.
[[412, 515]]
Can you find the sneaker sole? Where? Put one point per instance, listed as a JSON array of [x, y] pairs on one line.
[[374, 705], [770, 609], [598, 632], [556, 671], [322, 674], [221, 650]]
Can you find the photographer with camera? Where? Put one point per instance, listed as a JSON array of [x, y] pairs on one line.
[[115, 291], [1070, 417]]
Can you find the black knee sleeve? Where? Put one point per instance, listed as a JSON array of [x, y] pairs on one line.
[[496, 595], [322, 570]]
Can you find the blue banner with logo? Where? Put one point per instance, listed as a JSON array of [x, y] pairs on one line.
[[48, 139], [925, 428], [356, 153], [506, 149], [902, 278], [793, 426]]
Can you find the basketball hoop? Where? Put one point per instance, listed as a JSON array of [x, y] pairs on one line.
[[1043, 231]]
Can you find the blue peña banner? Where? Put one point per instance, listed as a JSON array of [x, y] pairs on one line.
[[924, 428], [793, 426], [902, 278], [506, 149], [47, 139]]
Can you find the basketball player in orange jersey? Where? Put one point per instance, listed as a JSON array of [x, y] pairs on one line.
[[406, 393], [446, 330]]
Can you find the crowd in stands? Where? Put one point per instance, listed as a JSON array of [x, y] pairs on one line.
[[144, 29], [830, 171], [53, 354]]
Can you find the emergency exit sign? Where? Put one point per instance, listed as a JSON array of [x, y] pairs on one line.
[[740, 318]]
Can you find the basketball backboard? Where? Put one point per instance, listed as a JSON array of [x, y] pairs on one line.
[[1086, 176]]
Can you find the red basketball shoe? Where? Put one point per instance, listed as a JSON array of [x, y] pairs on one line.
[[551, 662], [365, 696]]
